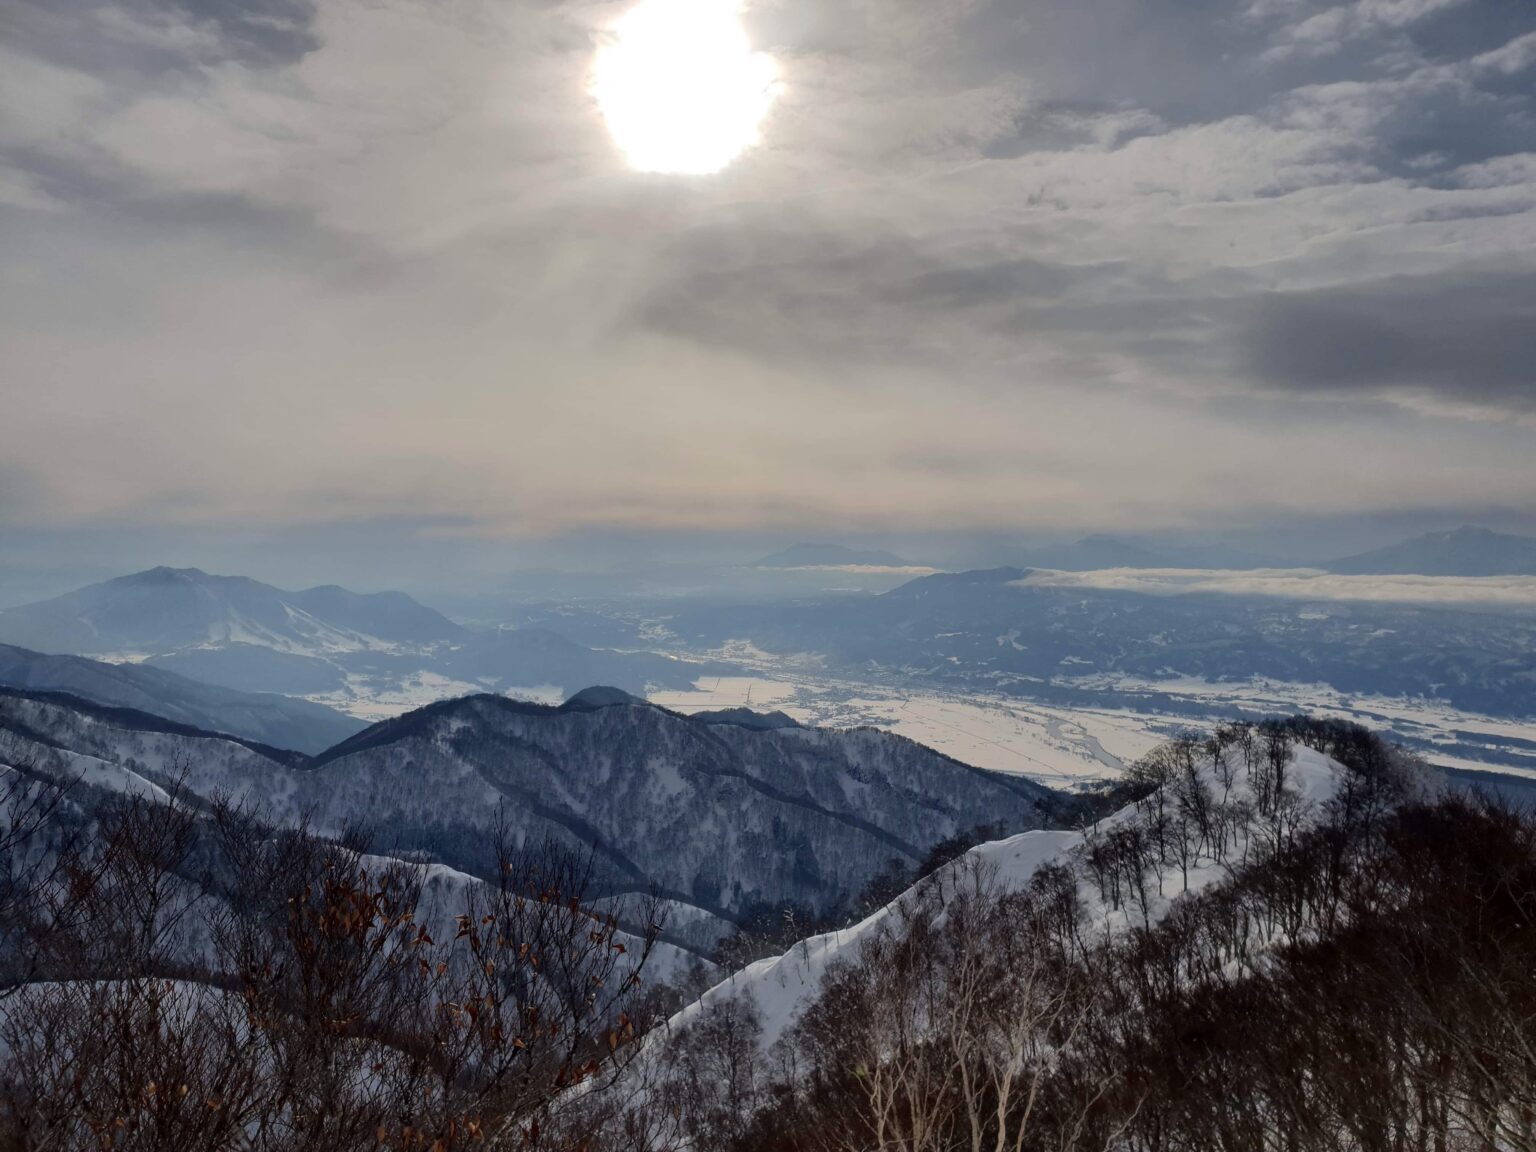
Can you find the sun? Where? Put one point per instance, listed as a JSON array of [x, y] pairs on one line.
[[681, 87]]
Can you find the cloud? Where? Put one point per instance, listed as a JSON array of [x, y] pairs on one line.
[[1508, 59], [1333, 27], [1469, 335], [1304, 584], [992, 266]]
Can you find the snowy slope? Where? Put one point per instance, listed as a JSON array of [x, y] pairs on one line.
[[783, 987]]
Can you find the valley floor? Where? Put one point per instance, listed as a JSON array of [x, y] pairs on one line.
[[1065, 746], [1058, 747]]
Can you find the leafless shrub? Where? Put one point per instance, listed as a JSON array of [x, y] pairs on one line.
[[229, 985]]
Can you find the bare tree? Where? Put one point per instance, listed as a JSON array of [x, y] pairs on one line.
[[236, 986]]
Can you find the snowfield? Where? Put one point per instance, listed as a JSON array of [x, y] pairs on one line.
[[1058, 747]]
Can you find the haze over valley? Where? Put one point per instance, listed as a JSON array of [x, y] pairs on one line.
[[1058, 675]]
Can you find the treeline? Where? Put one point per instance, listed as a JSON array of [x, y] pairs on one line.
[[1358, 974], [177, 975]]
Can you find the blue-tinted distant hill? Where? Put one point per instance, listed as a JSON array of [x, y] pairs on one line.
[[999, 630], [268, 719], [325, 643], [1466, 551], [167, 609], [527, 657]]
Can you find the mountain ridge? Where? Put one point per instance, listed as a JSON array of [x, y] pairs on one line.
[[717, 816], [134, 720], [993, 630], [268, 718], [164, 609], [1470, 550], [324, 643]]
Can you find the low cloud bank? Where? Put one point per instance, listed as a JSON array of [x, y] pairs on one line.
[[1301, 584]]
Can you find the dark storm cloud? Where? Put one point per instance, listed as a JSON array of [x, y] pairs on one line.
[[1467, 335]]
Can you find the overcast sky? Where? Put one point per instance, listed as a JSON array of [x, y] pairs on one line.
[[372, 274]]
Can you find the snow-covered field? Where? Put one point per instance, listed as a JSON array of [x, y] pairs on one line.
[[1054, 746], [1442, 733], [1064, 746], [368, 701], [1508, 592], [372, 702]]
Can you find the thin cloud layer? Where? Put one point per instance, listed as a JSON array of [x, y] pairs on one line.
[[1114, 264], [1305, 584]]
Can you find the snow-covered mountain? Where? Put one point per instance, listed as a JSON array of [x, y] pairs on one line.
[[717, 816], [376, 652], [1465, 551], [268, 718], [169, 609], [1000, 630]]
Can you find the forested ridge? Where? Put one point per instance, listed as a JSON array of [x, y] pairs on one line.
[[1290, 937]]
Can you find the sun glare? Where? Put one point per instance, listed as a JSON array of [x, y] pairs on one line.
[[680, 86]]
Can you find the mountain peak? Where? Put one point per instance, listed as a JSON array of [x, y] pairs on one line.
[[161, 574], [599, 696], [747, 718], [165, 610]]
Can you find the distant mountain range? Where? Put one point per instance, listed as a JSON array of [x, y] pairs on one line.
[[830, 556], [995, 631], [720, 816], [326, 643], [167, 609], [280, 721], [1465, 551]]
